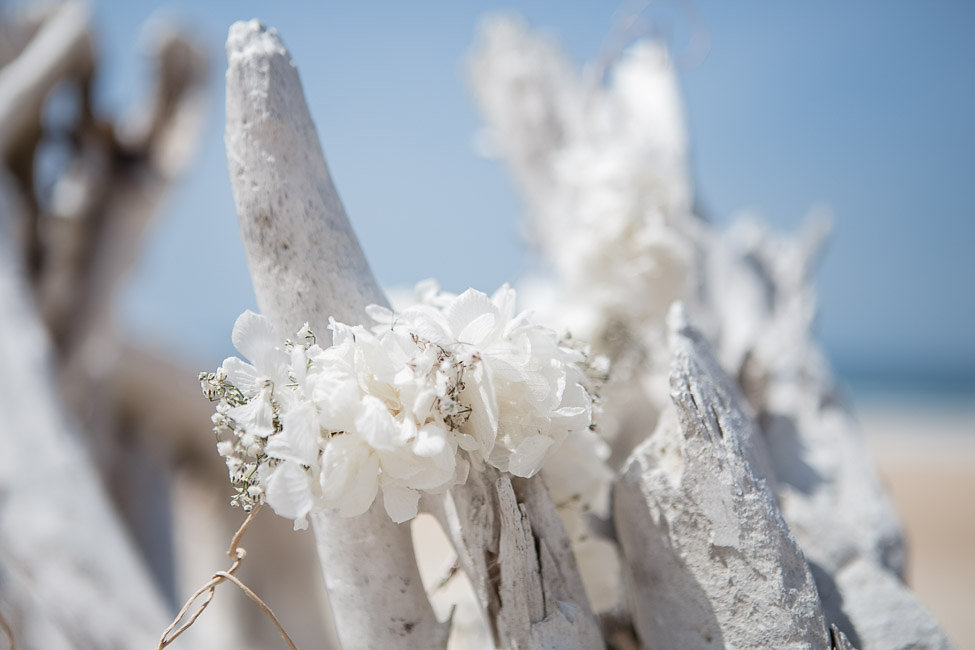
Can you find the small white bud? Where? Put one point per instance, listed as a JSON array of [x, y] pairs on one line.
[[225, 448]]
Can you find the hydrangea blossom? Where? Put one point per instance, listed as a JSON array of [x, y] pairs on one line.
[[407, 406]]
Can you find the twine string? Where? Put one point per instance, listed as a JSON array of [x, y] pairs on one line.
[[237, 553]]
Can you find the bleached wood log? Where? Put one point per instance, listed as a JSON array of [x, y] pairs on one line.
[[757, 303], [827, 482], [69, 577], [884, 613], [513, 547], [162, 395], [60, 49], [838, 640], [104, 203], [290, 212], [711, 562], [306, 265], [820, 463], [90, 238]]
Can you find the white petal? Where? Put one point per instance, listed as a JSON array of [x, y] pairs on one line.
[[401, 502], [478, 329], [466, 308], [289, 491], [335, 392], [376, 424], [527, 459], [242, 375], [430, 441], [299, 364], [256, 416], [400, 463], [423, 402], [483, 421], [253, 335], [462, 471], [433, 476], [428, 326], [381, 315], [504, 300], [298, 440], [467, 442], [350, 475], [342, 334]]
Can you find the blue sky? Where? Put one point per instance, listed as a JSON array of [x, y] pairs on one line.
[[862, 106]]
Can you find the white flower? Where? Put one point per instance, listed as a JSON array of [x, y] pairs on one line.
[[290, 492], [524, 391], [349, 475], [405, 407], [254, 337]]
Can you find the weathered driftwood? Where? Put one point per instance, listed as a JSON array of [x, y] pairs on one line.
[[884, 613], [306, 266], [79, 240], [518, 557], [140, 417], [711, 562], [69, 577], [838, 640], [750, 293], [159, 399], [820, 463], [289, 209], [60, 49]]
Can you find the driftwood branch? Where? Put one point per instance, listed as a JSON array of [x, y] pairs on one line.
[[821, 466], [60, 49], [602, 166], [306, 266], [711, 562], [513, 547], [69, 577]]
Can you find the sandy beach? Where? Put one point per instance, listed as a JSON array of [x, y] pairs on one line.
[[926, 455]]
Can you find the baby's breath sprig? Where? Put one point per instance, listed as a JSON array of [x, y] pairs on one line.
[[242, 451]]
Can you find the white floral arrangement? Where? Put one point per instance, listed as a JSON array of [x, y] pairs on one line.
[[409, 405]]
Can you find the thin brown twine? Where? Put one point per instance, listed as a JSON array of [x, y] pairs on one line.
[[8, 632], [237, 554]]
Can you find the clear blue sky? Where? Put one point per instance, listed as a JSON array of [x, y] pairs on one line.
[[867, 107]]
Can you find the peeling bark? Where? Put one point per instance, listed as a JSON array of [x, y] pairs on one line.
[[513, 547]]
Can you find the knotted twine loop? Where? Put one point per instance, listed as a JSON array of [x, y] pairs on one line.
[[237, 554]]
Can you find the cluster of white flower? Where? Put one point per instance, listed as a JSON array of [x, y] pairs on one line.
[[407, 406], [603, 169]]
